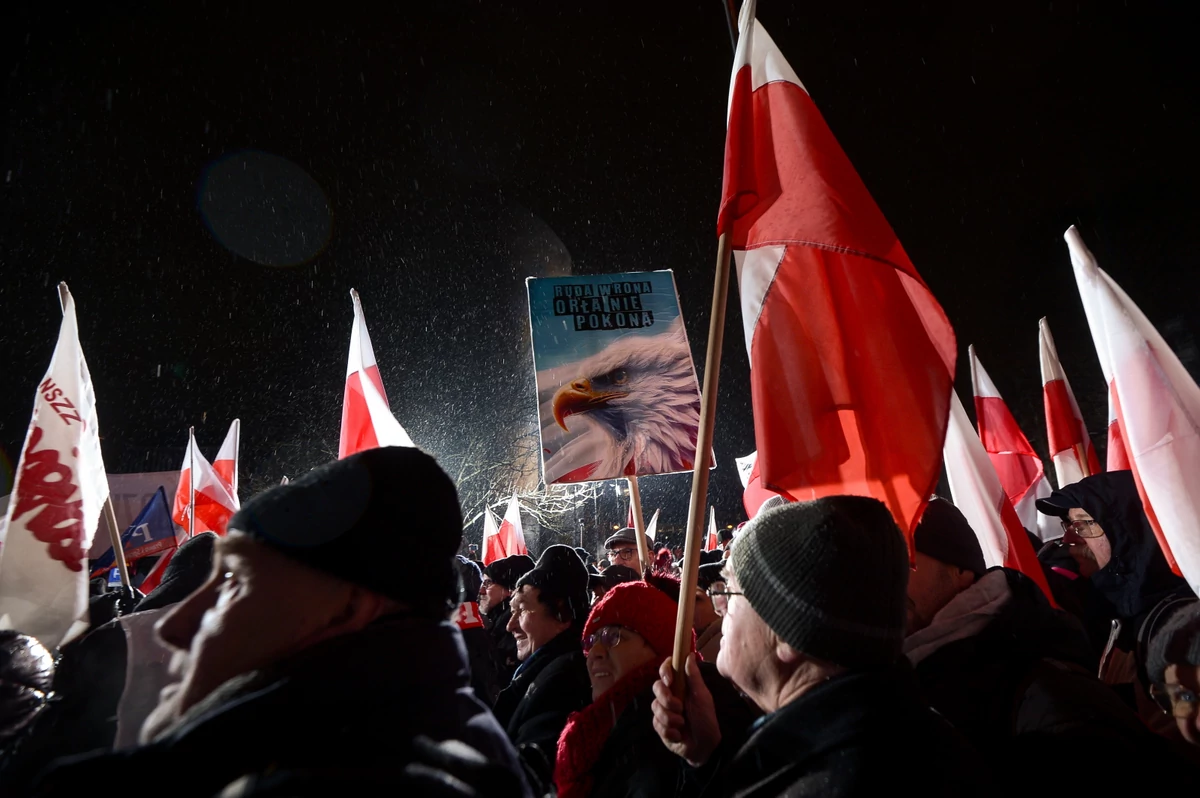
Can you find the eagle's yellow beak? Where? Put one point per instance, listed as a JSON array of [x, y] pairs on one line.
[[579, 397]]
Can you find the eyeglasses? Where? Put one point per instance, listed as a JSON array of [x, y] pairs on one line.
[[1175, 699], [621, 554], [486, 584], [1084, 527], [610, 636], [725, 593]]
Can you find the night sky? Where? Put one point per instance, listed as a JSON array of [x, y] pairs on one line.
[[211, 179]]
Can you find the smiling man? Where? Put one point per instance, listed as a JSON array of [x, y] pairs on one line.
[[309, 656]]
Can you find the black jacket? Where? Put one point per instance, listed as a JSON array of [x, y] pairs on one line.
[[1024, 686], [504, 646], [353, 702], [859, 734]]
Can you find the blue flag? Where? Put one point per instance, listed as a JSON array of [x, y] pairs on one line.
[[151, 532]]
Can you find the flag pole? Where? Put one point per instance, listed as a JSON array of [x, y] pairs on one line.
[[191, 482], [110, 515], [697, 518], [639, 523]]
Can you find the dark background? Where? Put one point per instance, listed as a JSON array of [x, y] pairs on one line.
[[212, 178]]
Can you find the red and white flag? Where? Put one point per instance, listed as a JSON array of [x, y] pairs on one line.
[[511, 535], [492, 548], [367, 422], [1070, 445], [652, 527], [1116, 457], [851, 357], [1157, 406], [711, 543], [226, 464], [199, 481], [1021, 472], [977, 492], [59, 489], [754, 493]]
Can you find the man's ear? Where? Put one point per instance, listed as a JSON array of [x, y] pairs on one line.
[[360, 608]]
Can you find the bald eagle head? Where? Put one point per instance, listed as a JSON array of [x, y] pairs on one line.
[[640, 392]]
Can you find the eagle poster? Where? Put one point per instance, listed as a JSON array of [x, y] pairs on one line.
[[617, 390]]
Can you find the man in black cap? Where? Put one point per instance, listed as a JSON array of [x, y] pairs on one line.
[[812, 636], [549, 608], [1016, 675], [319, 652], [613, 575], [499, 580], [622, 549]]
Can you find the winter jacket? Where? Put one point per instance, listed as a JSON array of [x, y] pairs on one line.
[[504, 645], [1016, 677], [354, 702], [863, 733]]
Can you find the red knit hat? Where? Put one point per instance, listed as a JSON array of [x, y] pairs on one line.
[[643, 608]]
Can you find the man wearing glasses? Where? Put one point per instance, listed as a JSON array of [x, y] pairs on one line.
[[623, 550], [1173, 668]]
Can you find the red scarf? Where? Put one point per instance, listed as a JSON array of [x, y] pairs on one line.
[[587, 731]]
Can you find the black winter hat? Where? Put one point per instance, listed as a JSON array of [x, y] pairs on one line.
[[359, 517], [613, 575], [560, 576], [188, 570], [470, 579], [829, 577], [945, 535], [709, 573], [26, 679], [724, 535], [505, 572], [583, 555]]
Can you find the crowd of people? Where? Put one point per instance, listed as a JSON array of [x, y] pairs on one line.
[[335, 642]]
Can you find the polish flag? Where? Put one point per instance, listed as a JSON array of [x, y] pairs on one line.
[[492, 547], [1157, 406], [754, 494], [1117, 457], [652, 527], [155, 577], [976, 491], [1021, 472], [214, 504], [512, 537], [629, 520], [59, 489], [711, 543], [367, 422], [226, 464], [851, 357], [1070, 445]]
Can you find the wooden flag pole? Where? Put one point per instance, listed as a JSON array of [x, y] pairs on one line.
[[697, 518], [110, 515], [191, 482], [639, 524]]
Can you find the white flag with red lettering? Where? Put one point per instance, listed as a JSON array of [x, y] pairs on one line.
[[512, 536], [226, 464], [367, 421], [59, 490], [1157, 406], [198, 480], [1020, 469], [492, 548], [1070, 445]]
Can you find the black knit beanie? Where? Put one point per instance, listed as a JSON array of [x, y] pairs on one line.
[[1177, 642], [561, 576], [360, 518], [945, 535], [829, 577], [506, 571]]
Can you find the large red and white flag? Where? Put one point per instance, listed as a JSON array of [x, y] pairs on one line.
[[511, 535], [58, 492], [367, 422], [1070, 445], [226, 464], [851, 357], [1116, 457], [492, 548], [1157, 406], [976, 491], [199, 481], [1020, 469]]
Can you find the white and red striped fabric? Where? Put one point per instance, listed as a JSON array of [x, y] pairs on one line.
[[1021, 472], [710, 542], [1070, 445], [1116, 456], [492, 548], [851, 357], [214, 504], [511, 535], [367, 422], [59, 489], [976, 491], [1157, 406], [226, 464]]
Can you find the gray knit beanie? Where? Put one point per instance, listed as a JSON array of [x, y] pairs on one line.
[[1176, 643], [830, 577]]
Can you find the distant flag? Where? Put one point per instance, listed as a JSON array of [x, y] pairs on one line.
[[151, 532], [367, 422], [511, 535], [652, 527], [154, 578], [754, 493], [493, 548], [226, 464], [711, 543], [1070, 445], [59, 489], [284, 481], [1157, 406], [977, 492], [629, 521], [851, 357], [1020, 469], [214, 505], [1116, 455]]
